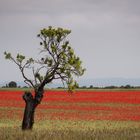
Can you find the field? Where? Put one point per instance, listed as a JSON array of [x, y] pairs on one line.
[[96, 114]]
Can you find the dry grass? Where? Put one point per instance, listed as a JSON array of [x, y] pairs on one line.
[[71, 130], [50, 126]]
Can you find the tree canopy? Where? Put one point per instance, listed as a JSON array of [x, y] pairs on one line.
[[12, 84], [57, 60]]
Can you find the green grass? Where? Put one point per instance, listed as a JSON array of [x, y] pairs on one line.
[[15, 89], [80, 89], [71, 130]]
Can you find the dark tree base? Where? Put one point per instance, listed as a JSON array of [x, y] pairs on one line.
[[31, 104], [28, 119]]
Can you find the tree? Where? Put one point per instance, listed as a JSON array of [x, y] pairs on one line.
[[91, 86], [128, 86], [57, 61], [12, 84]]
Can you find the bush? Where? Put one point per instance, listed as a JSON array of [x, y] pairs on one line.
[[12, 84]]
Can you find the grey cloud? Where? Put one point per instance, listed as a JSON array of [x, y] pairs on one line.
[[105, 33]]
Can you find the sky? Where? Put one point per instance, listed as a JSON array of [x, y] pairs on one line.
[[105, 34]]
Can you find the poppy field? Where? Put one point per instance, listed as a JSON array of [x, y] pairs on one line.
[[80, 105], [106, 111]]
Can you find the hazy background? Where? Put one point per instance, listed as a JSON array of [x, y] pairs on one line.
[[105, 34]]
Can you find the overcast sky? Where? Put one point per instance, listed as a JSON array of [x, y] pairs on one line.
[[105, 33]]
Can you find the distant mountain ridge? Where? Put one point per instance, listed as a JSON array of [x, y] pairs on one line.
[[103, 82], [98, 82]]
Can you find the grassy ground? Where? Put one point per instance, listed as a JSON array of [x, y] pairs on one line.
[[15, 89], [80, 89], [71, 130], [47, 128]]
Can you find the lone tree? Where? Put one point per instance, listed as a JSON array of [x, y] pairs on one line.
[[56, 61], [12, 84]]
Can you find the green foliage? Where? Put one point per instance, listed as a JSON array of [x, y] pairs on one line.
[[20, 58], [61, 54], [7, 55], [39, 77], [30, 60], [58, 60]]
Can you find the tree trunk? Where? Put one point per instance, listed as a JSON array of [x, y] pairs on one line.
[[28, 119], [31, 104]]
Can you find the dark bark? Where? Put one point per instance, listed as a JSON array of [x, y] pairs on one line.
[[28, 118], [31, 104]]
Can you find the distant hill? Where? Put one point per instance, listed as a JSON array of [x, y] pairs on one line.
[[109, 82], [100, 82]]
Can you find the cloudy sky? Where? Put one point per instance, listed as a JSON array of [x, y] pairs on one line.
[[105, 33]]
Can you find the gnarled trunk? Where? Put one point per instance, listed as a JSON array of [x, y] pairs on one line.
[[28, 118], [31, 104]]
